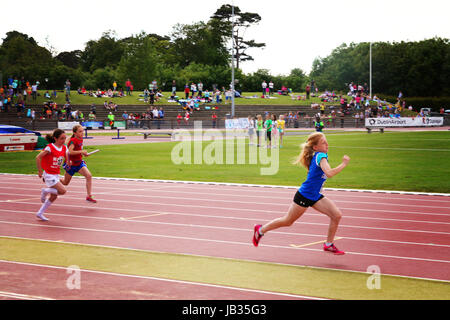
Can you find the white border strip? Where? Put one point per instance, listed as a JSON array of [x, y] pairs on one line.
[[251, 185]]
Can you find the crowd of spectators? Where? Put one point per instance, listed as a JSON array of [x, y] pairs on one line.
[[136, 120]]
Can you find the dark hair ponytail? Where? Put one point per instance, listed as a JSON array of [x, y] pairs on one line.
[[51, 138]]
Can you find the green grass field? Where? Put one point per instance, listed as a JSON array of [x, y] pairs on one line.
[[404, 161], [135, 99]]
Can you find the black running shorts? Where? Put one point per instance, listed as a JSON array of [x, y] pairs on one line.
[[304, 202]]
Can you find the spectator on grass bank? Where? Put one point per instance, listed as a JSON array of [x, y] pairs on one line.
[[34, 88], [152, 97], [200, 89], [128, 86], [67, 86], [186, 91], [308, 91], [174, 87], [264, 87], [193, 89], [270, 87]]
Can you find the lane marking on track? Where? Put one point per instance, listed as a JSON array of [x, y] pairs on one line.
[[170, 198], [227, 228], [312, 243], [237, 218], [442, 213], [21, 296], [242, 185], [146, 216], [205, 256], [20, 200], [227, 242]]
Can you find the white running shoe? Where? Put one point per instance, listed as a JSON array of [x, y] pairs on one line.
[[43, 196], [42, 217]]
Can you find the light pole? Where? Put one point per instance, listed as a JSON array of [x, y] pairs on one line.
[[232, 60], [370, 70]]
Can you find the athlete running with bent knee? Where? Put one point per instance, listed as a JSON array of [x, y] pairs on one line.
[[76, 154], [315, 158], [49, 162]]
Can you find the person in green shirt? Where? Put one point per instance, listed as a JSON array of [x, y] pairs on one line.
[[111, 119], [318, 124], [268, 126], [259, 128]]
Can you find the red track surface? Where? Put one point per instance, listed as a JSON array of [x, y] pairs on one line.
[[403, 234]]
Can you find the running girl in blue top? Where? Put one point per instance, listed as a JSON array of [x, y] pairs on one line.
[[314, 157]]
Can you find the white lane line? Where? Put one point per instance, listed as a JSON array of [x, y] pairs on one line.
[[250, 210], [219, 257], [212, 240], [228, 208], [123, 193], [245, 185], [225, 228]]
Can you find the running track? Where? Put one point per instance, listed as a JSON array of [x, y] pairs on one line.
[[403, 234]]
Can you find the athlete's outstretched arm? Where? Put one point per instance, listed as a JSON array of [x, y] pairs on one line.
[[331, 172]]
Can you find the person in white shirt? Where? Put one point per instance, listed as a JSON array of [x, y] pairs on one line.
[[264, 86], [270, 87], [200, 89], [34, 91]]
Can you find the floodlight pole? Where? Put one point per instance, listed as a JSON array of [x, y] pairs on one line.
[[370, 69], [232, 60]]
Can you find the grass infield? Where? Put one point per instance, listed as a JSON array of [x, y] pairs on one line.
[[299, 280]]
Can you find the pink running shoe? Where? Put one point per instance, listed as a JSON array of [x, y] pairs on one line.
[[256, 235], [90, 199], [332, 248]]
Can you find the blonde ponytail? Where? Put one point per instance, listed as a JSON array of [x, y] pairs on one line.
[[307, 153]]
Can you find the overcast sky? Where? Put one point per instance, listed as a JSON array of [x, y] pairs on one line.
[[295, 31]]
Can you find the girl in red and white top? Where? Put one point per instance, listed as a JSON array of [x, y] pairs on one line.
[[49, 162], [76, 153]]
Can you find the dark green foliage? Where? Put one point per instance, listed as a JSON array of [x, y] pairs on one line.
[[415, 68]]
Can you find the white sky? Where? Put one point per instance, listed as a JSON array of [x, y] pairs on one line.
[[295, 31]]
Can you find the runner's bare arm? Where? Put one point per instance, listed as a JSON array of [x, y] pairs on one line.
[[331, 172]]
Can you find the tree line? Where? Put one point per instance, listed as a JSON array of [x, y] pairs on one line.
[[189, 53], [418, 69], [201, 51]]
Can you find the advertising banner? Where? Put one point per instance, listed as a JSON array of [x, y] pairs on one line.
[[405, 122]]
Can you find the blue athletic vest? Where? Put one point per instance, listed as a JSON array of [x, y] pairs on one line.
[[316, 178]]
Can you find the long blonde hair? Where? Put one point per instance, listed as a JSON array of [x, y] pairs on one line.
[[307, 152]]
